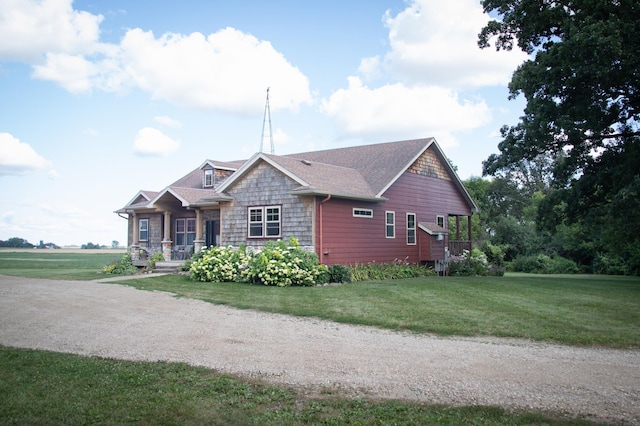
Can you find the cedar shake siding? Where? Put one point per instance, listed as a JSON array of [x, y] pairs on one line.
[[265, 186]]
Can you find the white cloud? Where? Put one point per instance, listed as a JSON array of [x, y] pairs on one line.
[[433, 59], [29, 29], [17, 157], [398, 111], [226, 71], [152, 142], [167, 121], [73, 72], [435, 43]]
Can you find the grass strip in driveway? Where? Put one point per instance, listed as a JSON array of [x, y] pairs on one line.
[[585, 310], [46, 388]]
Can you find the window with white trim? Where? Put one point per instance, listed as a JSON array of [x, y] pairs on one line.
[[185, 232], [208, 178], [363, 213], [411, 229], [143, 230], [440, 221], [264, 222], [390, 224]]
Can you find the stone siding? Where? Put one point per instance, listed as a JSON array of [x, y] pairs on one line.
[[266, 186], [428, 164]]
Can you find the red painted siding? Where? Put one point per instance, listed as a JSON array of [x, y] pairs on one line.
[[347, 239]]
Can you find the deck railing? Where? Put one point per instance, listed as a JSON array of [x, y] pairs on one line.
[[457, 247]]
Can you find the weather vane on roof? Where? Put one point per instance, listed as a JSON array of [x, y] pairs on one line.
[[267, 115]]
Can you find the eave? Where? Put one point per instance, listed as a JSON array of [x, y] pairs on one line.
[[321, 193]]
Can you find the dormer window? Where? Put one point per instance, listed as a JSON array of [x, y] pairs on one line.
[[208, 178]]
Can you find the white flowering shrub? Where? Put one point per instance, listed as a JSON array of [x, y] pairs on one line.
[[278, 264], [219, 264], [470, 263], [283, 265]]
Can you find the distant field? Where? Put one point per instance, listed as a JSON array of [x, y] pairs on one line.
[[64, 264], [63, 250]]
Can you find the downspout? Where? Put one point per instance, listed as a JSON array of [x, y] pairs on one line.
[[321, 254]]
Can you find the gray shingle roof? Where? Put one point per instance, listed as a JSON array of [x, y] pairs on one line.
[[379, 164], [325, 178], [359, 172]]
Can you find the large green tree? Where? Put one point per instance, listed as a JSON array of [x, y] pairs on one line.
[[582, 88], [582, 83]]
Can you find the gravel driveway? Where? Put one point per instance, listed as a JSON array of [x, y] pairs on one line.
[[115, 321]]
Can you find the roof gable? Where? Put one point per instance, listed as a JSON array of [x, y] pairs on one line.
[[195, 178], [313, 177], [379, 164], [324, 179]]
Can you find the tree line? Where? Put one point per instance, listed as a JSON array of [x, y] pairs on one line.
[[17, 242], [566, 181]]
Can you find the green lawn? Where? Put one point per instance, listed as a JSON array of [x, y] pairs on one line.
[[44, 388], [56, 264], [571, 309]]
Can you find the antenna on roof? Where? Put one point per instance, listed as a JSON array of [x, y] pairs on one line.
[[267, 115]]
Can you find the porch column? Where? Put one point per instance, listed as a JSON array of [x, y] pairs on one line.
[[198, 243], [166, 240], [469, 231], [134, 250], [457, 227]]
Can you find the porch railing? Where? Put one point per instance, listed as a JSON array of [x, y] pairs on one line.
[[457, 247]]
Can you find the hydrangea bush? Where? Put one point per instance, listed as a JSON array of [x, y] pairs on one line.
[[283, 265], [469, 263], [219, 264], [277, 264]]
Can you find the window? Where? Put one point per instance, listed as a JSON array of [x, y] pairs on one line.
[[411, 228], [143, 230], [363, 213], [264, 222], [390, 220], [185, 232], [440, 221], [208, 178], [273, 221]]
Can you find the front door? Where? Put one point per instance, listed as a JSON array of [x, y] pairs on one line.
[[212, 233]]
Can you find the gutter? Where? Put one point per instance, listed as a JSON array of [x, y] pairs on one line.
[[322, 253]]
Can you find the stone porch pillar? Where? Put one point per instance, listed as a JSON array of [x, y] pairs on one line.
[[198, 243], [134, 250], [166, 240]]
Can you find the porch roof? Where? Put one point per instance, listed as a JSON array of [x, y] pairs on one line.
[[190, 197], [432, 228]]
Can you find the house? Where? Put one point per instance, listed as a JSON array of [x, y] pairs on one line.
[[373, 203]]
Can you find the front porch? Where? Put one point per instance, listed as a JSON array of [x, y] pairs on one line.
[[456, 247], [457, 229]]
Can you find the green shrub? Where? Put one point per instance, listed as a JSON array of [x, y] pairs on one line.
[[495, 254], [339, 274], [387, 271], [122, 266], [324, 275], [543, 264], [155, 257], [470, 263]]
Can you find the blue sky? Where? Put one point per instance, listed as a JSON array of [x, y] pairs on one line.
[[101, 99]]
